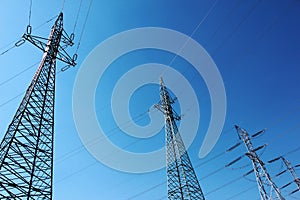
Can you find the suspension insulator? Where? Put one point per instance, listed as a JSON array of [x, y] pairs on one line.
[[294, 191], [75, 57], [233, 147], [72, 36], [250, 172], [258, 133], [280, 173], [259, 148], [286, 185], [20, 42], [234, 161], [65, 68], [28, 29], [275, 159]]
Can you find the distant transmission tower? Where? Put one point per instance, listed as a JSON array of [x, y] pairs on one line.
[[266, 186], [291, 169], [26, 152], [182, 182]]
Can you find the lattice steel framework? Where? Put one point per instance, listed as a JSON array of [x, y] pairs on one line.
[[267, 188], [26, 152], [291, 169], [182, 181]]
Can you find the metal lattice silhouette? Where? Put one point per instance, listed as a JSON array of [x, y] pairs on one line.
[[267, 188], [292, 171], [26, 152], [182, 181]]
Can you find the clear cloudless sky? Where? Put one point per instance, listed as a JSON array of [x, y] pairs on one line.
[[255, 45]]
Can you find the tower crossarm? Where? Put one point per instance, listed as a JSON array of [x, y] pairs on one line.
[[65, 41]]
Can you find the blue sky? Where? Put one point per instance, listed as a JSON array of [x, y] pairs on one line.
[[255, 45]]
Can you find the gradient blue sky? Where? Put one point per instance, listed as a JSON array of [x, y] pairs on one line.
[[255, 44]]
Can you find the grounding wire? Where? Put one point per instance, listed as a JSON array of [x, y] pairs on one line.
[[29, 14], [192, 34], [77, 16], [84, 25], [63, 5], [230, 36], [235, 30]]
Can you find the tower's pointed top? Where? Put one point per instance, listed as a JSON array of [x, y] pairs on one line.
[[59, 16], [161, 81]]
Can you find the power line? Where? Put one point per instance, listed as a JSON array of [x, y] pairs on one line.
[[192, 34], [11, 99], [91, 164], [242, 192], [224, 185], [149, 189], [212, 173], [18, 74], [8, 44], [229, 37], [63, 5], [281, 134], [112, 132], [15, 97], [84, 25], [77, 16], [95, 141], [278, 18], [75, 56], [237, 3], [145, 191]]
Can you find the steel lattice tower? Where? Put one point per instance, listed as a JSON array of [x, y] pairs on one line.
[[291, 169], [266, 186], [182, 181], [26, 152]]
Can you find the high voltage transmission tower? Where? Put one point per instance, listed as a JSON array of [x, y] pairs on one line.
[[182, 181], [266, 186], [291, 169], [26, 151]]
